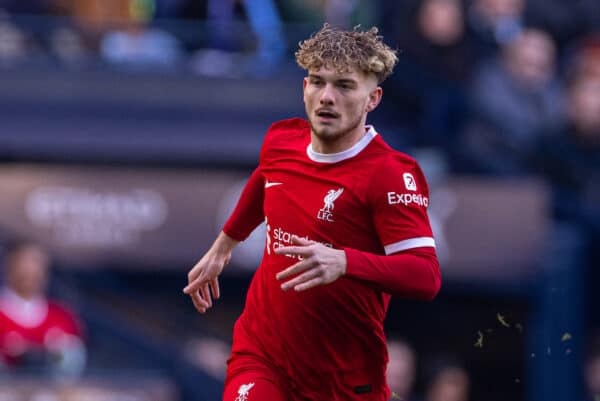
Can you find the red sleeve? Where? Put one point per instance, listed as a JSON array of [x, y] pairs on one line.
[[399, 200], [248, 212], [413, 274]]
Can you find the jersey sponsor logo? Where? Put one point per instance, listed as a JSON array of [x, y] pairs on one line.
[[407, 199], [268, 236], [326, 212], [272, 184], [409, 182], [243, 392], [279, 237]]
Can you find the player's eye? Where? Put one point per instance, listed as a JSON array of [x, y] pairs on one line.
[[345, 85]]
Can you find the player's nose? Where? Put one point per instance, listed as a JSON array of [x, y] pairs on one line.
[[327, 95]]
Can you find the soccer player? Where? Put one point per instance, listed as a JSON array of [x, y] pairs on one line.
[[36, 333], [347, 228]]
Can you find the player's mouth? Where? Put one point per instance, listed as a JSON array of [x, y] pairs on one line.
[[326, 115]]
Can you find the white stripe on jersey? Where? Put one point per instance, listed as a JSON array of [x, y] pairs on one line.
[[409, 244]]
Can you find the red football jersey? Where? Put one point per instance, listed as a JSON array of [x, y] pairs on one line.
[[30, 326], [369, 200]]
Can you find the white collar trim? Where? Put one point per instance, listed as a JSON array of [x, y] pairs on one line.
[[25, 312], [345, 154]]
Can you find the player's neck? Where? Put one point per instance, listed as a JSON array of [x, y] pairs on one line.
[[340, 144]]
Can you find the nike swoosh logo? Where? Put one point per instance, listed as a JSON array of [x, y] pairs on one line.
[[272, 184]]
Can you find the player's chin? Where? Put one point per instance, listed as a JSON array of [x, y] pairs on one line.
[[327, 132]]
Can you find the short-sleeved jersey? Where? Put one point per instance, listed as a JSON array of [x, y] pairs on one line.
[[370, 198]]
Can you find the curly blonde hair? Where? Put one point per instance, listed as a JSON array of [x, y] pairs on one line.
[[343, 50]]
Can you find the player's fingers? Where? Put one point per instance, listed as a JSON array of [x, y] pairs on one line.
[[302, 250], [301, 241], [193, 286], [200, 304], [199, 307], [310, 284], [214, 285], [303, 278], [196, 271], [205, 292], [295, 268]]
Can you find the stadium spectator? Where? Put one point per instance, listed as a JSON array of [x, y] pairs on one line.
[[586, 58], [96, 16], [138, 45], [401, 370], [447, 380], [68, 48], [313, 319], [514, 100], [264, 20], [13, 43], [339, 12], [570, 161], [435, 64], [491, 24], [566, 21], [37, 334], [436, 39]]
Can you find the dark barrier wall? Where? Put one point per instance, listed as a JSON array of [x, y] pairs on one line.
[[164, 218]]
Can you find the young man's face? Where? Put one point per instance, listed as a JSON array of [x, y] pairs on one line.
[[27, 272], [337, 103]]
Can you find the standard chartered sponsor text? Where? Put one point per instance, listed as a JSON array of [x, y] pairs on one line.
[[282, 237]]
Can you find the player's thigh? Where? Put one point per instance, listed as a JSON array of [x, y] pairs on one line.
[[253, 385]]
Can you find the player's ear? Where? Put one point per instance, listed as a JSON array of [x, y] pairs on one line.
[[374, 99], [304, 82]]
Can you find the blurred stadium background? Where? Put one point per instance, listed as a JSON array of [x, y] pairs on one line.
[[128, 127]]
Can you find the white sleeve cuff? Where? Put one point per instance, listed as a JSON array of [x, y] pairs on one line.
[[410, 243]]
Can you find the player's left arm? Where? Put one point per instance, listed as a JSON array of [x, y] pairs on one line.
[[410, 268], [413, 274]]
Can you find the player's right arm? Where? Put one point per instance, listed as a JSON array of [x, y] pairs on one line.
[[203, 278]]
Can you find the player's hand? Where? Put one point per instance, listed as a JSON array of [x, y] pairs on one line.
[[203, 280], [320, 264]]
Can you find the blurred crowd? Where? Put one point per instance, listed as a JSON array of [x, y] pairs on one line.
[[444, 378], [508, 88], [209, 37]]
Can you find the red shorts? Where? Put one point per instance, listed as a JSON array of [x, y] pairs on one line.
[[251, 378]]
